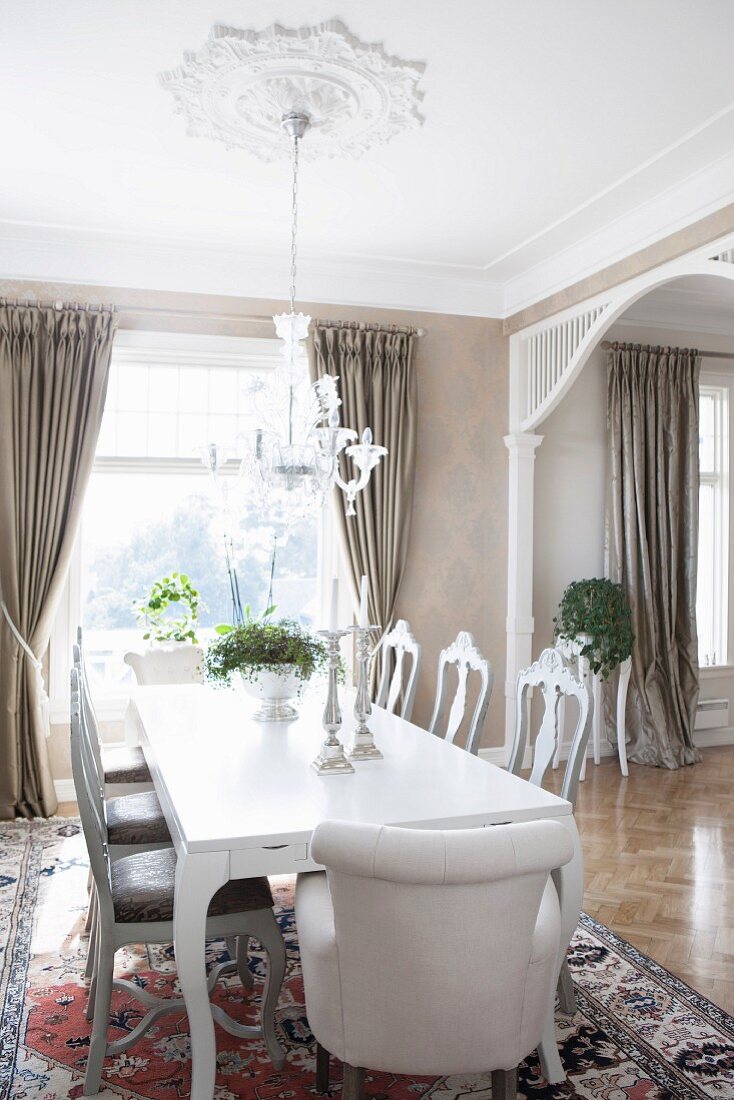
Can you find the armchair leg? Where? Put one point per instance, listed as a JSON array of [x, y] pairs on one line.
[[504, 1084], [322, 1070], [353, 1087], [566, 991]]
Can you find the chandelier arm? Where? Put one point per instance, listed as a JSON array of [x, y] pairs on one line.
[[354, 485]]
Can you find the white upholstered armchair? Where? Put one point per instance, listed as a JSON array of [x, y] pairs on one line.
[[177, 663], [389, 979]]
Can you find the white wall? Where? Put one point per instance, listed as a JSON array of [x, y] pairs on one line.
[[570, 485], [570, 478]]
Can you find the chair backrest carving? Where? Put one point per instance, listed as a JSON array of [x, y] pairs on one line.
[[556, 679], [398, 647], [465, 657]]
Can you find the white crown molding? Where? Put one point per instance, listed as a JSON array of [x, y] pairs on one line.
[[700, 194], [69, 255]]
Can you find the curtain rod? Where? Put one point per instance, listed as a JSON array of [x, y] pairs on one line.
[[260, 318], [373, 326], [703, 354], [162, 311], [37, 303]]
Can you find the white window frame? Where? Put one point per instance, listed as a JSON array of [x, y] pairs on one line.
[[721, 388], [175, 349]]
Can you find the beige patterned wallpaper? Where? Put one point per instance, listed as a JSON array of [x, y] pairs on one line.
[[458, 558]]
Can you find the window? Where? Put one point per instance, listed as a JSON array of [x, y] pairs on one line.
[[713, 524], [151, 507]]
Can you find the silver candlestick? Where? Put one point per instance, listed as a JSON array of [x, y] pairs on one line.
[[332, 759], [363, 747]]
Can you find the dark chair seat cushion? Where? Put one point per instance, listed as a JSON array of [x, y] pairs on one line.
[[136, 819], [125, 766], [143, 887]]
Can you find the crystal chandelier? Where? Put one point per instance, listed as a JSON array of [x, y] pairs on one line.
[[292, 456]]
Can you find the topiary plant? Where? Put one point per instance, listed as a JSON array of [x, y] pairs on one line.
[[597, 607], [170, 611], [260, 644]]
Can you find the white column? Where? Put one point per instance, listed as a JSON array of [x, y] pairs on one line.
[[520, 622]]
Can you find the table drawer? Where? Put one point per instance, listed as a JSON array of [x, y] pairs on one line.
[[276, 860]]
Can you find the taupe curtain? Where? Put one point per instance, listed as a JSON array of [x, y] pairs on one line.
[[377, 386], [652, 409], [54, 364]]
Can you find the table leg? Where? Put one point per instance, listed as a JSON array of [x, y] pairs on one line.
[[198, 877], [569, 882]]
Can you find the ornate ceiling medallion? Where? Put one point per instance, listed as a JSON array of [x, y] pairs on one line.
[[238, 87]]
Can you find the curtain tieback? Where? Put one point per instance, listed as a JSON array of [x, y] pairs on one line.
[[43, 694], [19, 637]]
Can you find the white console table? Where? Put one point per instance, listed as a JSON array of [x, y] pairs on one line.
[[572, 651]]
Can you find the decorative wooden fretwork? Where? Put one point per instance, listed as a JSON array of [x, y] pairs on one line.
[[550, 353]]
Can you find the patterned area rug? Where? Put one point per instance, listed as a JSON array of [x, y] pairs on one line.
[[640, 1033]]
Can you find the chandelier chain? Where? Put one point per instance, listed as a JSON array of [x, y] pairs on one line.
[[294, 224]]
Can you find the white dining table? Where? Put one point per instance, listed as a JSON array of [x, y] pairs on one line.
[[241, 800]]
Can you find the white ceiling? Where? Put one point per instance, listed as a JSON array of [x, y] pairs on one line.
[[559, 135]]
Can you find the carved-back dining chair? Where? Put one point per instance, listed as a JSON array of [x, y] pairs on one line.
[[135, 905], [557, 682], [464, 656], [398, 648], [135, 822]]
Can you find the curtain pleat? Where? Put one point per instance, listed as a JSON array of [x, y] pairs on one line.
[[54, 365], [378, 389], [652, 412]]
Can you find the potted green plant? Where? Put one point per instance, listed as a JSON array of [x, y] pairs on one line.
[[595, 613], [274, 658], [170, 611]]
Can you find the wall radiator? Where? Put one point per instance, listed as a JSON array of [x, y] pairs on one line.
[[712, 714]]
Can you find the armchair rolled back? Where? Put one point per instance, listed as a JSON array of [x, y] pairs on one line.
[[442, 929], [180, 663]]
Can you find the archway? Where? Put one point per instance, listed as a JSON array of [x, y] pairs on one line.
[[545, 361]]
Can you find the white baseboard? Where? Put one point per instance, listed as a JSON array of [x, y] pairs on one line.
[[709, 739], [494, 756], [703, 739], [65, 790]]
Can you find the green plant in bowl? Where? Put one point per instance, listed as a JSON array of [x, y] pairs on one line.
[[273, 657], [596, 611]]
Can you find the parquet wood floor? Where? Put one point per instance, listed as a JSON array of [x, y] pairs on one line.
[[659, 864], [659, 856]]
